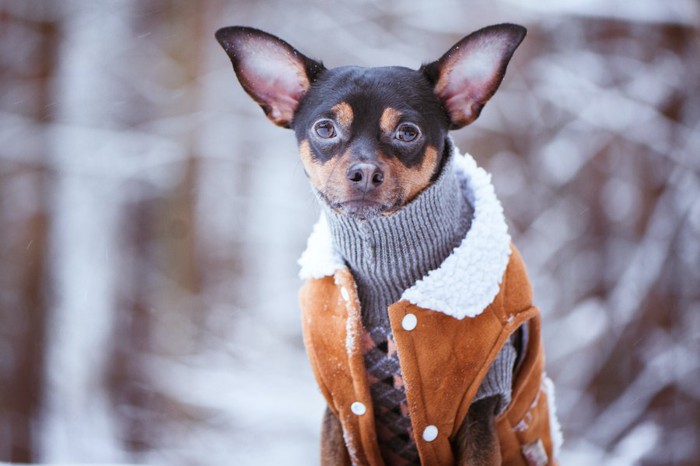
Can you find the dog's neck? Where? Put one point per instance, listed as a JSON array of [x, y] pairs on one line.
[[388, 254]]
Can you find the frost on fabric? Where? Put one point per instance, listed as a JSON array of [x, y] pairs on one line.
[[352, 337], [350, 445], [352, 324]]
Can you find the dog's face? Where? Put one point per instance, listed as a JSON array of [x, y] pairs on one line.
[[371, 139]]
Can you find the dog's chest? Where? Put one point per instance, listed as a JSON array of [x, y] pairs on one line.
[[392, 420]]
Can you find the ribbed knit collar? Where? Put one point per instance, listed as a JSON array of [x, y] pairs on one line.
[[468, 279], [388, 254]]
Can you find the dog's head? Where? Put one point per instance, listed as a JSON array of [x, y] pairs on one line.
[[371, 139]]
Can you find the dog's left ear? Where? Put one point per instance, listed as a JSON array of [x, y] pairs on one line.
[[467, 76]]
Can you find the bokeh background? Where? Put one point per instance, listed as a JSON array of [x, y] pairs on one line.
[[151, 218]]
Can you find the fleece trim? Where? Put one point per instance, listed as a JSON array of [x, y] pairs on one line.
[[468, 280], [554, 426], [321, 258]]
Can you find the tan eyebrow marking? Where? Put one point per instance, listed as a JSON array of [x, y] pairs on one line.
[[390, 117], [344, 114]]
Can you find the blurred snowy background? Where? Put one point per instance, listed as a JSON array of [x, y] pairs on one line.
[[151, 218]]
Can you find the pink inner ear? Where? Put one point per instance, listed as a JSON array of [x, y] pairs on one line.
[[471, 74], [473, 69], [275, 76]]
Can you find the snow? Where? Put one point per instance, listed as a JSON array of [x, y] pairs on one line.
[[672, 11], [79, 421]]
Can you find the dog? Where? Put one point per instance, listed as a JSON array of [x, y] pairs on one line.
[[416, 303]]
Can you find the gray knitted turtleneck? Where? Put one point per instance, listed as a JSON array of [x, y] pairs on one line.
[[386, 256]]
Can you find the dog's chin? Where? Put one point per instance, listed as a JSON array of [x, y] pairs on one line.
[[363, 209]]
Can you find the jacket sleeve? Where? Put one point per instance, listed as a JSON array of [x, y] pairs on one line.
[[499, 378], [528, 430]]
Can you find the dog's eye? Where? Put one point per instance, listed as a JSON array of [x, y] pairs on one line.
[[325, 129], [407, 132]]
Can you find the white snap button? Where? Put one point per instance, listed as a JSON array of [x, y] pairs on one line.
[[358, 408], [409, 322], [430, 433], [344, 294]]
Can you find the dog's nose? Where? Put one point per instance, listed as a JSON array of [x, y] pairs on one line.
[[365, 176]]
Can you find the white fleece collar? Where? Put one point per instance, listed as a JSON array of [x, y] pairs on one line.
[[469, 279]]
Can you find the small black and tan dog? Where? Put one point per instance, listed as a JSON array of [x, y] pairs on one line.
[[372, 139]]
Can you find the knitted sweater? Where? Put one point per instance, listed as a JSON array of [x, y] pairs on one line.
[[387, 255]]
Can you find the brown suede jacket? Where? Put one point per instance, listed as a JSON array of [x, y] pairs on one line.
[[449, 327]]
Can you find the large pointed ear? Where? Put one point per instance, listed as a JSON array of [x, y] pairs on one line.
[[270, 70], [467, 76]]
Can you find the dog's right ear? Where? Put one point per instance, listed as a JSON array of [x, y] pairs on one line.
[[270, 70]]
